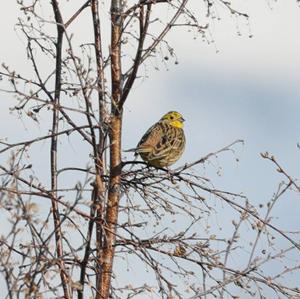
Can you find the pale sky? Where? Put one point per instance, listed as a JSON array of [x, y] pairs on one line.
[[234, 88]]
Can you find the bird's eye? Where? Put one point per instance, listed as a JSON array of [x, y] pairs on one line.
[[171, 117]]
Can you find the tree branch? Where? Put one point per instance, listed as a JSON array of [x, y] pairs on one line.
[[143, 25], [54, 138]]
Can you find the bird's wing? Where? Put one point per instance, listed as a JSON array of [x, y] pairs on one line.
[[151, 138], [171, 139]]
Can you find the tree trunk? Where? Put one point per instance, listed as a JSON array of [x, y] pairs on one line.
[[115, 130]]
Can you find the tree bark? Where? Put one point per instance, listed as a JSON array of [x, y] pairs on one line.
[[115, 130]]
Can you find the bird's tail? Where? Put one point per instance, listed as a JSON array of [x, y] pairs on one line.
[[135, 157], [130, 150]]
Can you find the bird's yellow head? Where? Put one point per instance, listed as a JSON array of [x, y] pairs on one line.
[[174, 119]]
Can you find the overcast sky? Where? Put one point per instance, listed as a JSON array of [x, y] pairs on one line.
[[234, 88], [248, 90]]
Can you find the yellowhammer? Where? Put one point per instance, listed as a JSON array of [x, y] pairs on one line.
[[163, 144]]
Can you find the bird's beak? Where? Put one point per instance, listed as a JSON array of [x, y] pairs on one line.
[[182, 119]]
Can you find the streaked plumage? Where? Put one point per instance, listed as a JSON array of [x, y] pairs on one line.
[[163, 144], [179, 250]]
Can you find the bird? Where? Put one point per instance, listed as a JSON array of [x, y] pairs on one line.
[[163, 143]]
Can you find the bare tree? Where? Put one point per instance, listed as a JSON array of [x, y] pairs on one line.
[[124, 230]]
